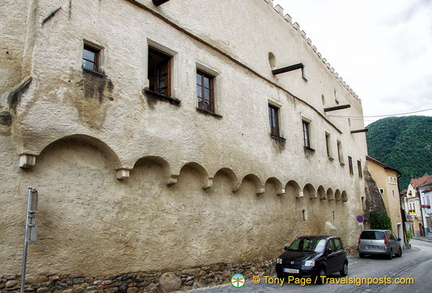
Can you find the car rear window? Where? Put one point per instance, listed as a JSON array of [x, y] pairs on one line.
[[372, 235]]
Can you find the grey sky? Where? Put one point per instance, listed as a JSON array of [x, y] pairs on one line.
[[381, 48]]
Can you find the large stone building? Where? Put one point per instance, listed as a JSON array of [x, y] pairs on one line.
[[167, 135]]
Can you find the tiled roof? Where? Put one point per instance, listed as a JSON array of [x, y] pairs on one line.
[[382, 164], [423, 181]]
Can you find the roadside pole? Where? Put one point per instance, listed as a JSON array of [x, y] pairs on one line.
[[30, 230]]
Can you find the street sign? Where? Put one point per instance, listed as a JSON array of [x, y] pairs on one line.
[[31, 216]]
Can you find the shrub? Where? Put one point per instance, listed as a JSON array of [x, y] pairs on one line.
[[380, 221], [408, 234]]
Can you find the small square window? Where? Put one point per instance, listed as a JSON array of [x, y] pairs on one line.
[[91, 57], [205, 91], [159, 72], [274, 120]]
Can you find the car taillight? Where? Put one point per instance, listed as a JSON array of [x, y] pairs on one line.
[[359, 239], [385, 240]]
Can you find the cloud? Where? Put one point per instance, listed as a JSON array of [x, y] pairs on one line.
[[382, 49]]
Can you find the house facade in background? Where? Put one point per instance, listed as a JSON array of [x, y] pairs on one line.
[[416, 203], [386, 179], [168, 135], [426, 209]]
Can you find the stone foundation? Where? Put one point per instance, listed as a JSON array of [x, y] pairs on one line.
[[186, 279]]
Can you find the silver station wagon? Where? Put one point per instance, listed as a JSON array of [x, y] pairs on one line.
[[379, 242]]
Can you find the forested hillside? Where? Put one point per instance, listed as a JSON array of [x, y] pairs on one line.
[[404, 143]]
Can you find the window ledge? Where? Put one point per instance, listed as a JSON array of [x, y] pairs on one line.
[[97, 73], [278, 138], [161, 97], [209, 113]]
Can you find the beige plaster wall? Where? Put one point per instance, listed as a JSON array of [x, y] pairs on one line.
[[391, 192], [83, 128]]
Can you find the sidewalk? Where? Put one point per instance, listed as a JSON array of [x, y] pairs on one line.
[[422, 238]]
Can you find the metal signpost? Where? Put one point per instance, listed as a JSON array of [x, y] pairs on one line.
[[30, 230]]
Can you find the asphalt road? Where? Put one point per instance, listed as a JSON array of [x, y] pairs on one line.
[[413, 268]]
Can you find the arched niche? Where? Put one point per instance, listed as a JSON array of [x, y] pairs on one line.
[[338, 196], [330, 194], [154, 160], [91, 141], [309, 191], [277, 184], [235, 183], [292, 189], [344, 196], [260, 189], [321, 193], [197, 171]]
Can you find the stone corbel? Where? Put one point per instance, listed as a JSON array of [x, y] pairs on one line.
[[122, 173], [27, 161], [208, 184], [300, 195], [261, 190], [172, 180], [281, 191], [237, 187]]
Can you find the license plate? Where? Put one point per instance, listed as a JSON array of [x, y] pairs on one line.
[[371, 247], [291, 271]]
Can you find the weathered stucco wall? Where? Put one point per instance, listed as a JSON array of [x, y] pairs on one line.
[[91, 223], [196, 189], [12, 44]]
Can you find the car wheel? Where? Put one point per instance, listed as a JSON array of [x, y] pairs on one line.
[[280, 275], [390, 255], [400, 252], [344, 270], [322, 273], [362, 255]]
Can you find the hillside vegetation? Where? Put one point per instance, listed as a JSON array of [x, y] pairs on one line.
[[404, 143]]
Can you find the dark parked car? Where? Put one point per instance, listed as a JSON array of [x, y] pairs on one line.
[[379, 242], [313, 256]]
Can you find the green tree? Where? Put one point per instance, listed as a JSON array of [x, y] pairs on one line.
[[403, 143]]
